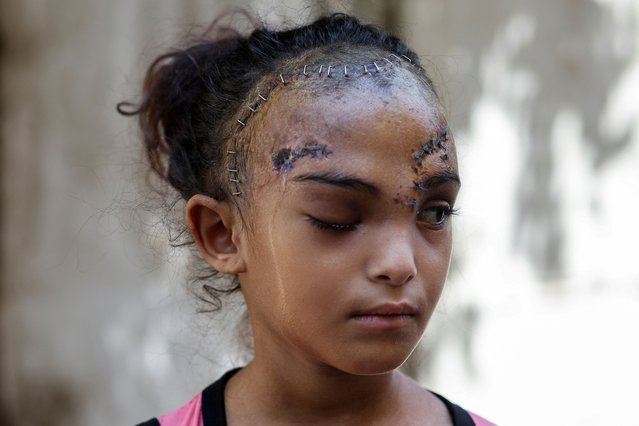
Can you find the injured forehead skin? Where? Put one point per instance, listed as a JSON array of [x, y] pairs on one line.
[[401, 123], [284, 159], [435, 146]]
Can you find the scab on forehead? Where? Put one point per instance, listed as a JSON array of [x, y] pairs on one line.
[[284, 159], [435, 145]]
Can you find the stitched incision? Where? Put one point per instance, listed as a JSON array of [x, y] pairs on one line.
[[283, 160]]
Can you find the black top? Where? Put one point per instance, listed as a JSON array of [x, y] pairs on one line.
[[214, 412]]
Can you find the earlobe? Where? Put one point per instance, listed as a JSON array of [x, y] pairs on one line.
[[212, 225]]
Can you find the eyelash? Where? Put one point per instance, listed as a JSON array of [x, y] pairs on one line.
[[335, 227], [349, 227], [445, 210]]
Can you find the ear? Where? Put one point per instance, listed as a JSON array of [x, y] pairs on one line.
[[214, 229]]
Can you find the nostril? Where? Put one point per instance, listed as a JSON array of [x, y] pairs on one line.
[[384, 278], [396, 279], [409, 278]]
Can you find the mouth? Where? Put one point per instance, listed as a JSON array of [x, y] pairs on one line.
[[388, 315]]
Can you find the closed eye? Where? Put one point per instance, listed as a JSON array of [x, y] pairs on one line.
[[331, 226]]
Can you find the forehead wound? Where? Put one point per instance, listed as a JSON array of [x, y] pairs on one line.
[[314, 75], [436, 145], [284, 159]]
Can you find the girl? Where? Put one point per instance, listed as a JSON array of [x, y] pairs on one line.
[[319, 171]]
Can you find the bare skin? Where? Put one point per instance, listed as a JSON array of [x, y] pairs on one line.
[[329, 252]]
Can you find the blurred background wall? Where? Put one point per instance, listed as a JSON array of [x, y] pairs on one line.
[[538, 323]]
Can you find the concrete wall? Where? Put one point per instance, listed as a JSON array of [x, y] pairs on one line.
[[96, 325]]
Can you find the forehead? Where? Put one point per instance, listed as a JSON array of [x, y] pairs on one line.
[[375, 137], [395, 140], [354, 123]]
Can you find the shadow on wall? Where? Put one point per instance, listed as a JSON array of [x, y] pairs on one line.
[[541, 62], [48, 401]]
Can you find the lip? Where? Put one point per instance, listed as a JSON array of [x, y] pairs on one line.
[[388, 309], [387, 315]]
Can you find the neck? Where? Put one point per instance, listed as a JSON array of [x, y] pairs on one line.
[[298, 389]]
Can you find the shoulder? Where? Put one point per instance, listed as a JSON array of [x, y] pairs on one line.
[[190, 414], [480, 421], [462, 417], [206, 408], [437, 408]]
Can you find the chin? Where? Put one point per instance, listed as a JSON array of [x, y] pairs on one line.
[[381, 362]]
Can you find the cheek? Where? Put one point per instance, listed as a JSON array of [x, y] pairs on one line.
[[435, 262], [304, 287], [290, 271], [305, 268]]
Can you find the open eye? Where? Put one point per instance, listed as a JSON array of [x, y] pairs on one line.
[[330, 226], [436, 215]]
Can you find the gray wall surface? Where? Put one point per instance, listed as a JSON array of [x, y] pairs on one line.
[[96, 324]]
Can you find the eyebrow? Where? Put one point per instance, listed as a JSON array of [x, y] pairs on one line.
[[338, 179], [440, 179], [355, 183]]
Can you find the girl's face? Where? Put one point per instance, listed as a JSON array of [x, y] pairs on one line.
[[350, 240]]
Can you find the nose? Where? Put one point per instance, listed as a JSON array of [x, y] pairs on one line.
[[392, 260]]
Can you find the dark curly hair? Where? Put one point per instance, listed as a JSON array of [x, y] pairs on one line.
[[191, 98]]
